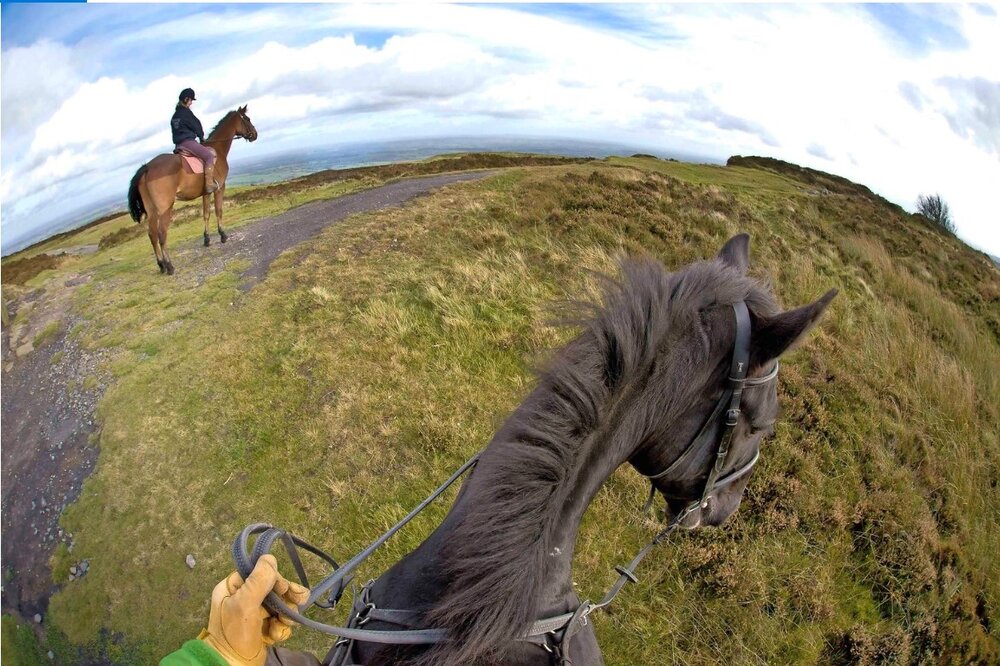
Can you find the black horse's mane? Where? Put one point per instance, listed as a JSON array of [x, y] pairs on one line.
[[496, 559]]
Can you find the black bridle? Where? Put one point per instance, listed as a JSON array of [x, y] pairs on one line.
[[728, 408], [551, 634]]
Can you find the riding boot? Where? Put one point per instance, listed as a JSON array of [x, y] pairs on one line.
[[210, 184]]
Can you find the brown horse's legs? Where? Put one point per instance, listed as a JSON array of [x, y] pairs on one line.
[[154, 240], [151, 223], [218, 214], [206, 213], [164, 226]]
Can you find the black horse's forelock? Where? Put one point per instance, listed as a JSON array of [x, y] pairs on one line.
[[495, 560]]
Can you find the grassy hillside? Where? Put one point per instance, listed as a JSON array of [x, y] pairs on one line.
[[374, 360]]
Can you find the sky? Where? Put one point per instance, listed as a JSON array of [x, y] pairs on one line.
[[902, 98]]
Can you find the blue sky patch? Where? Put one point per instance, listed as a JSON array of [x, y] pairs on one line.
[[985, 10], [920, 29], [612, 18], [373, 39]]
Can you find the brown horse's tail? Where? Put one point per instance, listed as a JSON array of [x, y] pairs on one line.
[[135, 207]]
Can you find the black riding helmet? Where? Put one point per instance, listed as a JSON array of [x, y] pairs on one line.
[[186, 94]]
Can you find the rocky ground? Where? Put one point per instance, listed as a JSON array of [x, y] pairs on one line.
[[49, 397]]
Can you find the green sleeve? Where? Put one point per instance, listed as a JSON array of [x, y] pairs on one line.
[[194, 653]]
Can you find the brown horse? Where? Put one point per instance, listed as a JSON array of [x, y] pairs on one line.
[[166, 178]]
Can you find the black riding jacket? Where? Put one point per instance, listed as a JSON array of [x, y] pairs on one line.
[[185, 125]]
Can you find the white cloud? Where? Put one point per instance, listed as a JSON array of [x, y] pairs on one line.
[[36, 80], [102, 125]]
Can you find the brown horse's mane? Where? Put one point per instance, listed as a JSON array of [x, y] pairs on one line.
[[220, 124], [496, 558]]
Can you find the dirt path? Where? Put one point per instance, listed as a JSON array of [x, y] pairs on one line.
[[50, 393], [269, 238], [49, 397], [262, 241]]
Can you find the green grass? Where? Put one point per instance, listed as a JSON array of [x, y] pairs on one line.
[[376, 358], [4, 313], [715, 176], [46, 334], [60, 562], [20, 645]]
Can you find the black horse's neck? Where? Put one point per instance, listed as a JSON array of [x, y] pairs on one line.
[[553, 499], [502, 558]]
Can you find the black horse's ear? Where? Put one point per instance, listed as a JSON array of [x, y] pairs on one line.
[[243, 109], [772, 336], [736, 253]]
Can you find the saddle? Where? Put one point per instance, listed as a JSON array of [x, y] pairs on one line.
[[192, 161]]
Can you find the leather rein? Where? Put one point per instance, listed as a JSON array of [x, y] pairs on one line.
[[552, 633]]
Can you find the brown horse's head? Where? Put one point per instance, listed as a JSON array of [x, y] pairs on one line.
[[246, 130]]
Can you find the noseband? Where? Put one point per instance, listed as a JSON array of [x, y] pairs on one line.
[[728, 407]]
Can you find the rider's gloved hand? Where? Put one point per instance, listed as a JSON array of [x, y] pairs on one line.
[[239, 628]]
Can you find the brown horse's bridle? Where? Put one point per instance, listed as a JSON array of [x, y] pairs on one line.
[[249, 135], [244, 133], [553, 633]]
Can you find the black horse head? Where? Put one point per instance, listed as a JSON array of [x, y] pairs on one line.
[[638, 384]]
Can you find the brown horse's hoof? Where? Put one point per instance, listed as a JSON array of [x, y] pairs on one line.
[[163, 268], [170, 268], [208, 241], [223, 235]]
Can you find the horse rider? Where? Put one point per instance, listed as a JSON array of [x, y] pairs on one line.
[[240, 631], [186, 128]]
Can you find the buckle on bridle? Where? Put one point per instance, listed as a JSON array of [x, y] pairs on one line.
[[732, 416], [552, 643], [362, 617]]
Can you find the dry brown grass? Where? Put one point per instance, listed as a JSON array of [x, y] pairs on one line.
[[21, 271]]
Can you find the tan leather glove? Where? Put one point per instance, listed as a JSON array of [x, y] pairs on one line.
[[239, 628]]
